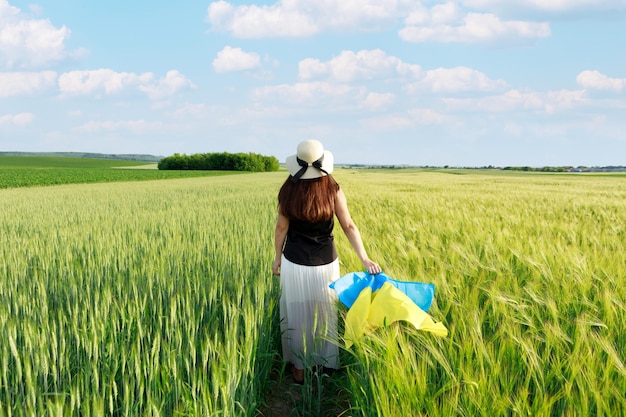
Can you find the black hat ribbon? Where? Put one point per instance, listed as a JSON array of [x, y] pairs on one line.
[[305, 165]]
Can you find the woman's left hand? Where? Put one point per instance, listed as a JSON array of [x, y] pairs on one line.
[[372, 267]]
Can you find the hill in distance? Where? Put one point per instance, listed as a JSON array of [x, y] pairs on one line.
[[123, 157], [157, 158]]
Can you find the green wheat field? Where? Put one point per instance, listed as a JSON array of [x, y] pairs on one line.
[[129, 297]]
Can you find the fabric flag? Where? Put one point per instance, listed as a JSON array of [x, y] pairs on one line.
[[385, 306], [349, 287]]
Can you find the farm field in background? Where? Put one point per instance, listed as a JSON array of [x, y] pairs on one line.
[[155, 297], [25, 171]]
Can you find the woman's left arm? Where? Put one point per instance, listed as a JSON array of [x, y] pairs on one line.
[[282, 225], [352, 233]]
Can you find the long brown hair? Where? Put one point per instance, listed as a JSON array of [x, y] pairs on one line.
[[309, 200]]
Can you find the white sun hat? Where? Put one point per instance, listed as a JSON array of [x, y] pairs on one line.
[[311, 161]]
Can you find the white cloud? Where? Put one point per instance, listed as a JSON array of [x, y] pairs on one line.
[[375, 101], [172, 83], [308, 93], [386, 123], [509, 101], [564, 99], [457, 79], [19, 83], [261, 21], [595, 80], [426, 116], [412, 118], [107, 81], [29, 43], [191, 110], [20, 119], [451, 26], [312, 68], [100, 81], [133, 126], [452, 21], [349, 66], [232, 59], [440, 14], [515, 100], [445, 22], [342, 74], [290, 18], [548, 5]]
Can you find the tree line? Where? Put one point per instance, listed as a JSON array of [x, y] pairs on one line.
[[223, 161]]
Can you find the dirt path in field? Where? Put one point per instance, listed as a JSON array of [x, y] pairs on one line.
[[320, 396], [281, 401]]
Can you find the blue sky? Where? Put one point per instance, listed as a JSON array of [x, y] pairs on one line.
[[458, 82]]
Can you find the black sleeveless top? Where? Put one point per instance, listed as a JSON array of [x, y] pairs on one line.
[[310, 243]]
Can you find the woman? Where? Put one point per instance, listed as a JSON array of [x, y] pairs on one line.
[[306, 258]]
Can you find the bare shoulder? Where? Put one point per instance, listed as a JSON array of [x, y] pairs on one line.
[[341, 208], [340, 199]]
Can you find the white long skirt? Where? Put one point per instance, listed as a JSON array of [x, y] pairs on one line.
[[308, 313]]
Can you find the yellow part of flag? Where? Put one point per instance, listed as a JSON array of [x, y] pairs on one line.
[[386, 306]]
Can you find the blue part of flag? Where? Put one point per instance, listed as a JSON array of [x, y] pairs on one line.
[[349, 286]]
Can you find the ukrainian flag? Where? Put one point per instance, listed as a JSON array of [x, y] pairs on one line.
[[375, 301]]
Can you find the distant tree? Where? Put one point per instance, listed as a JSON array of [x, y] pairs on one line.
[[220, 161], [174, 162], [270, 163]]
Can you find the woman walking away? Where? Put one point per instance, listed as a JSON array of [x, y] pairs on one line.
[[306, 258]]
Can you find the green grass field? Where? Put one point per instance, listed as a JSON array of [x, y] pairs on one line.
[[26, 171], [530, 278], [156, 298]]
